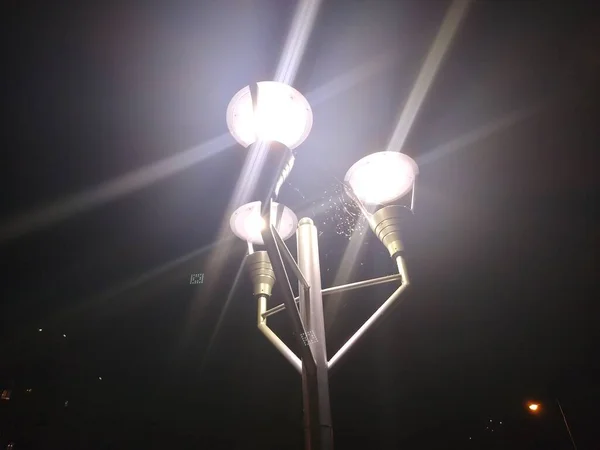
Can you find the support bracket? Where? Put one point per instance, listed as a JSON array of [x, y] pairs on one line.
[[376, 315], [270, 235]]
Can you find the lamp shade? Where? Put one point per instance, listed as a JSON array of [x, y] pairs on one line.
[[247, 223], [382, 178], [280, 113]]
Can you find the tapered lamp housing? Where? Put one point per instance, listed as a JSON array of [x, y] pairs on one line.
[[379, 181], [261, 273]]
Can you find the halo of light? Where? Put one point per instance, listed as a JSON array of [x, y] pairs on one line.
[[381, 178], [247, 223], [282, 114]]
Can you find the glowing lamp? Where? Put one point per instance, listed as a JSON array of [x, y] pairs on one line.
[[534, 407], [382, 178], [247, 223], [279, 113]]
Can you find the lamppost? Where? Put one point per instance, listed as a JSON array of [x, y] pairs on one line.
[[271, 119]]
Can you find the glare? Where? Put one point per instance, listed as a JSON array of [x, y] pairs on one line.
[[382, 177], [247, 223], [534, 406], [255, 224], [282, 115]]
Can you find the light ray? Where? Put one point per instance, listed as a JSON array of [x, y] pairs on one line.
[[111, 190], [477, 134], [350, 79], [441, 43], [100, 301], [297, 38]]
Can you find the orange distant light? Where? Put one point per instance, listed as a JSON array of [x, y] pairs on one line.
[[534, 406]]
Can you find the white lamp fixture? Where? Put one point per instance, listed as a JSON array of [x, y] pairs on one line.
[[280, 114], [382, 178], [247, 223]]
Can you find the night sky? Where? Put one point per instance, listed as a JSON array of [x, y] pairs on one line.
[[117, 177]]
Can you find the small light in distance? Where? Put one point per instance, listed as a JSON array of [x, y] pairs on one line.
[[39, 329], [64, 335], [534, 407], [100, 378]]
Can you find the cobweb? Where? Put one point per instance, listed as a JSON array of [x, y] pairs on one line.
[[334, 210]]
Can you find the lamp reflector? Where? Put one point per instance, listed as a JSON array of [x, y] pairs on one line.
[[383, 177], [281, 114], [247, 223]]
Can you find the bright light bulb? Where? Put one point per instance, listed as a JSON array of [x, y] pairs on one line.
[[381, 178], [282, 115], [247, 223], [255, 224], [534, 406]]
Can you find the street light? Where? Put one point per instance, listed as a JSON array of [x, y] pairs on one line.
[[382, 178], [269, 111], [536, 407], [376, 183], [277, 113], [247, 223]]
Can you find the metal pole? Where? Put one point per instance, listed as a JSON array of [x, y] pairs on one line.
[[317, 413], [566, 424]]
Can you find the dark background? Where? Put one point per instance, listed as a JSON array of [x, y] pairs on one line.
[[502, 251]]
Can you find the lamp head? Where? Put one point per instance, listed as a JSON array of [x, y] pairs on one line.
[[279, 113], [247, 223], [382, 178]]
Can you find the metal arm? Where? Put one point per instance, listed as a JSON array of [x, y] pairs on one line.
[[376, 315], [273, 338], [341, 288]]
